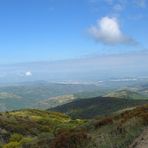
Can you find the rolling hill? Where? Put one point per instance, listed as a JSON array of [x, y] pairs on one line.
[[30, 95], [55, 101], [126, 94], [89, 108]]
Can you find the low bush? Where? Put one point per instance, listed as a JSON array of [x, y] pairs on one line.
[[70, 139], [16, 137], [12, 145], [103, 122]]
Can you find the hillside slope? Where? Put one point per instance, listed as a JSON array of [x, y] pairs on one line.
[[23, 126], [114, 131], [126, 94], [41, 129], [55, 101], [89, 108]]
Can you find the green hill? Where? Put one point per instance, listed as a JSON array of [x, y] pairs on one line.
[[89, 108], [55, 101], [64, 99], [127, 94]]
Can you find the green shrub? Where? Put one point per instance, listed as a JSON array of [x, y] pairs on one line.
[[15, 137], [12, 145], [1, 145], [26, 140]]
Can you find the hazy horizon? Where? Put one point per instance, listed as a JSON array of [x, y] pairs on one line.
[[93, 68]]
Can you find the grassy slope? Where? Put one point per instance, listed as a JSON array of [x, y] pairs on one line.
[[60, 100], [32, 124], [92, 107], [116, 131]]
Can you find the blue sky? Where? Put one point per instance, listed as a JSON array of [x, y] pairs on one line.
[[73, 40], [44, 30]]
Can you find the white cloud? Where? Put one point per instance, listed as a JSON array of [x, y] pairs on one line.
[[28, 73], [107, 30]]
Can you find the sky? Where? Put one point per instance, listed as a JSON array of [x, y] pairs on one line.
[[41, 30], [72, 30]]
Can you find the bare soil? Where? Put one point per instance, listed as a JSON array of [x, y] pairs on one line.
[[141, 141]]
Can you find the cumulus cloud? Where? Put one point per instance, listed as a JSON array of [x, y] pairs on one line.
[[28, 73], [108, 31]]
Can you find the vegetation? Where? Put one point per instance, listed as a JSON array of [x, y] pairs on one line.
[[92, 94], [20, 127], [126, 94], [89, 108], [41, 129], [113, 121], [117, 131], [55, 101]]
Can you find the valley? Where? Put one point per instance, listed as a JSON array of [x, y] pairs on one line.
[[37, 94]]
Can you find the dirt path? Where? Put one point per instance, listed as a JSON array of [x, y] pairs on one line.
[[141, 141]]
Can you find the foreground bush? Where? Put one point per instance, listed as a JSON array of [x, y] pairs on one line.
[[70, 139]]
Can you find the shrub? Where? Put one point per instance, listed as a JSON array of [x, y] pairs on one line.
[[26, 140], [15, 137], [70, 139], [12, 145], [1, 145], [103, 122]]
